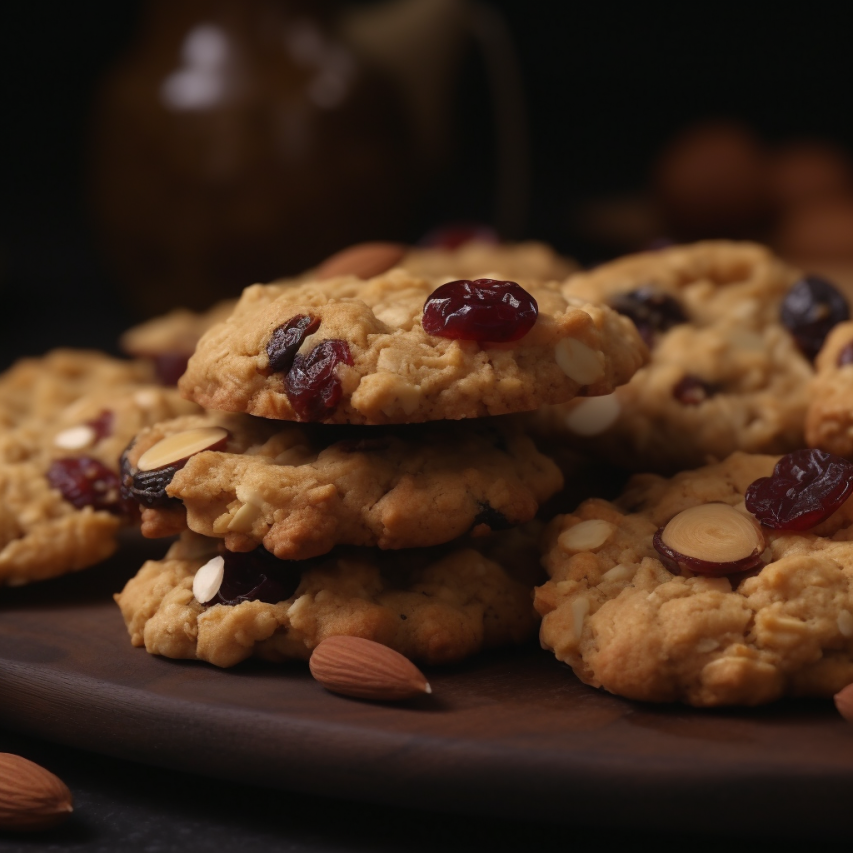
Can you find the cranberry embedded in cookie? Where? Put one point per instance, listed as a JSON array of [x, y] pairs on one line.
[[480, 310], [806, 487], [653, 311], [312, 384], [286, 339], [810, 310]]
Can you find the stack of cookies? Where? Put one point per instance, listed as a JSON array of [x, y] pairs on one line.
[[355, 471]]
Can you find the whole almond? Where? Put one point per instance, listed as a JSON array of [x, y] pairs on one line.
[[364, 260], [844, 703], [31, 798], [364, 669]]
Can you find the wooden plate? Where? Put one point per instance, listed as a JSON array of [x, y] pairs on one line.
[[514, 734]]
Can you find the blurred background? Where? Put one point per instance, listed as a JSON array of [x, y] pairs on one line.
[[171, 152]]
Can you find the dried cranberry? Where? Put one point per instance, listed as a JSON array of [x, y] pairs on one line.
[[480, 310], [651, 310], [170, 366], [845, 356], [810, 309], [806, 487], [312, 386], [84, 482], [256, 576], [146, 488], [102, 425], [287, 339], [691, 390]]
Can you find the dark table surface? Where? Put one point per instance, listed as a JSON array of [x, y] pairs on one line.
[[123, 806]]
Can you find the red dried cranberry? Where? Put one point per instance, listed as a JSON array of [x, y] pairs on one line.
[[845, 356], [312, 386], [287, 339], [651, 310], [810, 310], [806, 487], [480, 310], [170, 366], [691, 390], [102, 425], [84, 481], [256, 576]]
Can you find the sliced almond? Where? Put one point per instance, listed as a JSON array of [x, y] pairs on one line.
[[364, 669], [208, 579], [593, 415], [587, 535], [180, 446], [75, 438], [31, 798], [712, 539], [364, 260], [578, 361]]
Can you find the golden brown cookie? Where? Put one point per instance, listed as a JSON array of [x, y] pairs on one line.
[[627, 618], [829, 421], [348, 351], [434, 606], [725, 374], [299, 491], [60, 503]]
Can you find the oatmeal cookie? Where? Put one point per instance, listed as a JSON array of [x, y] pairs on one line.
[[344, 350], [39, 388], [60, 507], [829, 421], [300, 491], [725, 374], [433, 606], [624, 621]]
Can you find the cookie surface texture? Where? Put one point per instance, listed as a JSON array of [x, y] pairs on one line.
[[433, 607], [60, 506], [829, 421], [300, 490], [624, 622], [724, 373], [386, 369]]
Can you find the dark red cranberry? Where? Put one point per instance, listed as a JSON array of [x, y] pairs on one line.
[[170, 366], [691, 390], [147, 488], [312, 386], [256, 576], [651, 310], [102, 425], [287, 339], [845, 356], [480, 310], [458, 234], [84, 482], [491, 517], [806, 487], [810, 310]]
